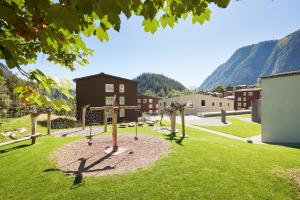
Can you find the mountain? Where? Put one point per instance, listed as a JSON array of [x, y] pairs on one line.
[[159, 84], [251, 62]]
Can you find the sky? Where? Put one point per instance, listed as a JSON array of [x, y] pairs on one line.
[[188, 53]]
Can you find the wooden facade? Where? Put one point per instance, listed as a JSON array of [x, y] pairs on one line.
[[99, 89], [244, 97], [147, 104]]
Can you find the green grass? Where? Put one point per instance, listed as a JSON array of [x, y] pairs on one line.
[[237, 127], [23, 122], [204, 166]]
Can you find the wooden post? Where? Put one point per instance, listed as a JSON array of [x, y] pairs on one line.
[[173, 121], [105, 120], [223, 116], [182, 122], [49, 112], [114, 129], [83, 116], [33, 126]]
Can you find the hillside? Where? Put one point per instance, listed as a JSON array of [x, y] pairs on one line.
[[159, 84], [251, 62]]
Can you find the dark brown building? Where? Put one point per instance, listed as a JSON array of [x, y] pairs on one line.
[[147, 104], [244, 97], [99, 90]]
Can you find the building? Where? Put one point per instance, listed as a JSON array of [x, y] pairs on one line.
[[198, 103], [244, 97], [147, 104], [280, 108], [99, 90]]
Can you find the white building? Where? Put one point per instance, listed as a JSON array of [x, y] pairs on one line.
[[198, 103], [280, 108]]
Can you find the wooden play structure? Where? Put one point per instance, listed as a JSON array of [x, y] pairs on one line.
[[115, 108], [171, 111], [33, 116]]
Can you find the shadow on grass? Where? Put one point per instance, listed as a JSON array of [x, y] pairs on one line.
[[14, 148], [78, 180], [172, 137]]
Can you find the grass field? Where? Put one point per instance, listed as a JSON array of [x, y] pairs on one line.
[[237, 127], [204, 166]]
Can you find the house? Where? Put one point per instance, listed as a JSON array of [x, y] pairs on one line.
[[99, 90], [198, 103], [280, 110], [147, 104], [244, 97]]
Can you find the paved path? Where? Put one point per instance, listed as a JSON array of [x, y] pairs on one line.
[[218, 133]]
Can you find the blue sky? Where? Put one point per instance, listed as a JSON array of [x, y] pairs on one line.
[[187, 53]]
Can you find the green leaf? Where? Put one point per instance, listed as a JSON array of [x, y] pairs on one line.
[[151, 25], [101, 34]]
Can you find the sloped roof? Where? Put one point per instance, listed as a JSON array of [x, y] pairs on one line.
[[103, 74], [293, 73]]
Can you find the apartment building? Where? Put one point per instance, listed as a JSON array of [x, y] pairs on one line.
[[147, 104], [244, 97]]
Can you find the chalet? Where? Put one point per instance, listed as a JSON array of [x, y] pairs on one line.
[[244, 97], [198, 103], [99, 90], [147, 104]]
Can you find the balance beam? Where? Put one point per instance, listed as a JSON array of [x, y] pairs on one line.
[[21, 139]]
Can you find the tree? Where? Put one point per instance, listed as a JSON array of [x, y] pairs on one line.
[[219, 89], [5, 100], [55, 29], [150, 93]]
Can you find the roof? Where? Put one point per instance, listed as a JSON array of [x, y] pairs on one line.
[[248, 90], [103, 74], [293, 73]]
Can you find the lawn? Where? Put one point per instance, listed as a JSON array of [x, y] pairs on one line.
[[204, 166], [237, 127]]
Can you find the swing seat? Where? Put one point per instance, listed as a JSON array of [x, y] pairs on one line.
[[140, 124], [150, 123]]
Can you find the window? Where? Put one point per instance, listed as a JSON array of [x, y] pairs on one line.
[[189, 104], [139, 106], [228, 104], [139, 100], [150, 100], [122, 112], [150, 111], [239, 104], [244, 93], [220, 104], [150, 106], [245, 99], [122, 100], [245, 105], [239, 98], [121, 88], [156, 105], [202, 102], [213, 103], [144, 100], [250, 94], [160, 104], [109, 87], [109, 101]]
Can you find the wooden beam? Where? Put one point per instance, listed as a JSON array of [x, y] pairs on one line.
[[49, 112], [21, 139], [105, 120], [33, 125]]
